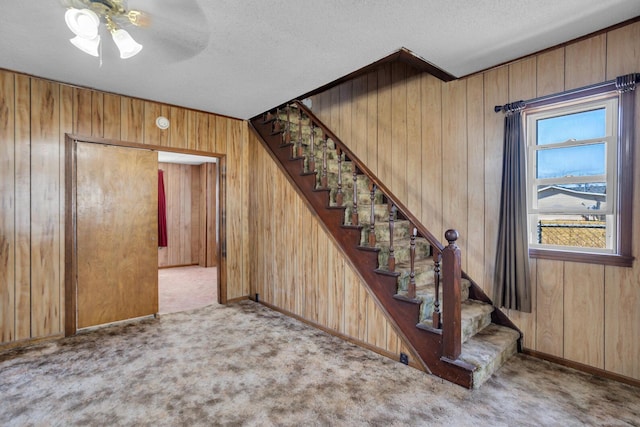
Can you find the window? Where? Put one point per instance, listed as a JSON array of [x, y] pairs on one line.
[[574, 185]]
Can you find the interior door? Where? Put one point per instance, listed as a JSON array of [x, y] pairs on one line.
[[116, 233]]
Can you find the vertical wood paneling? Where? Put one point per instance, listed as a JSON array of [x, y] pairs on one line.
[[186, 215], [584, 313], [208, 193], [376, 325], [585, 62], [431, 95], [359, 119], [82, 106], [623, 53], [338, 280], [45, 208], [66, 127], [414, 145], [221, 134], [385, 147], [550, 72], [495, 93], [550, 308], [372, 123], [345, 93], [111, 120], [132, 120], [351, 303], [363, 303], [97, 114], [475, 178], [235, 209], [179, 128], [454, 162], [198, 131], [323, 280], [7, 207], [197, 193], [152, 133], [23, 207], [398, 141]]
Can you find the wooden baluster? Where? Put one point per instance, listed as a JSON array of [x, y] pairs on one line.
[[392, 256], [299, 152], [451, 298], [339, 195], [411, 290], [312, 150], [437, 314], [372, 225], [277, 126], [354, 214], [268, 117], [286, 137], [323, 178]]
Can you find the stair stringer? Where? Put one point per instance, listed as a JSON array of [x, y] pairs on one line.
[[402, 315]]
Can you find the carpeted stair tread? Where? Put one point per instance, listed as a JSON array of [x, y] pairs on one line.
[[475, 316], [488, 350]]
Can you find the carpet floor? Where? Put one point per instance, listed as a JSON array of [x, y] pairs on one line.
[[247, 365], [186, 288]]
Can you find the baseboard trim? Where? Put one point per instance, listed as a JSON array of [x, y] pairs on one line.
[[4, 347], [414, 363], [234, 300], [582, 367], [162, 267]]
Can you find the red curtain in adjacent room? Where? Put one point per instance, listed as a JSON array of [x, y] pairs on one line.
[[162, 212]]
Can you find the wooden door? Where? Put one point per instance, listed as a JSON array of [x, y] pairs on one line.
[[116, 233]]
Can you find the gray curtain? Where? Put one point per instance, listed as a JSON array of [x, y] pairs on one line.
[[512, 285]]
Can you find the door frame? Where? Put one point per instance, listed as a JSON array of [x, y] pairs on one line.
[[70, 226]]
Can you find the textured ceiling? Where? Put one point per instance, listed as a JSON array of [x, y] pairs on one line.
[[240, 58]]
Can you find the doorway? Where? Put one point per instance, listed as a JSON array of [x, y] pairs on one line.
[[74, 304], [187, 259]]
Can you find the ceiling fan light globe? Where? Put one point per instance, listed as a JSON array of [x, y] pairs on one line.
[[127, 46], [89, 46], [83, 22]]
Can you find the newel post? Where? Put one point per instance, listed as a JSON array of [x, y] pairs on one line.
[[451, 299]]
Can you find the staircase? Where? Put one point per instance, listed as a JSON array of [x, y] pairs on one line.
[[447, 319]]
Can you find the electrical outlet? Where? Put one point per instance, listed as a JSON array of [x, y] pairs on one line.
[[404, 358]]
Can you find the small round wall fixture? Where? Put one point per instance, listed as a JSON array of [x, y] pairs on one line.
[[162, 122]]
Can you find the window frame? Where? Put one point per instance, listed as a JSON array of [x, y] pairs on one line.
[[620, 254]]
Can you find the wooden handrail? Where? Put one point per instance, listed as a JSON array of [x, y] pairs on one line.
[[404, 211]]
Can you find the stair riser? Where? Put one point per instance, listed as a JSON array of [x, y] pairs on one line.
[[400, 231], [402, 252]]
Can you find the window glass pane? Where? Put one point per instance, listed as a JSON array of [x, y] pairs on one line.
[[582, 160], [576, 126], [571, 230], [566, 197]]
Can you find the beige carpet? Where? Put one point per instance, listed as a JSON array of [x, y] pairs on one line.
[[248, 365]]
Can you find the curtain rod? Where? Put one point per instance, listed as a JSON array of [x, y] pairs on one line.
[[621, 83]]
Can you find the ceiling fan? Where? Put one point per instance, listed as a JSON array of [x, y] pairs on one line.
[[83, 17], [177, 30]]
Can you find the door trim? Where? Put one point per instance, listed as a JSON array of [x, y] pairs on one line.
[[70, 228]]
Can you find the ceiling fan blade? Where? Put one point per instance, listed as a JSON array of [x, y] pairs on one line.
[[176, 31]]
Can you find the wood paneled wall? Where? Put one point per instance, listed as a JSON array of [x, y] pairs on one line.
[[35, 115], [296, 267], [439, 147], [183, 194]]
